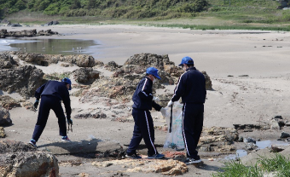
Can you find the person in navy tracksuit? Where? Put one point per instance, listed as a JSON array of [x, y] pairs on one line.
[[51, 94], [191, 88], [143, 128]]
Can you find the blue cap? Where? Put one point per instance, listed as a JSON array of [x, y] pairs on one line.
[[67, 81], [153, 71], [186, 60]]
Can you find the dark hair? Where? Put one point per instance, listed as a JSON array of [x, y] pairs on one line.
[[190, 65]]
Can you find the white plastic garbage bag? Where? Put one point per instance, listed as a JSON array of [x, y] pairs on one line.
[[174, 139]]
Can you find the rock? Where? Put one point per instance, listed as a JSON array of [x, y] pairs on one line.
[[28, 105], [251, 146], [100, 148], [218, 139], [284, 135], [85, 61], [22, 160], [8, 103], [274, 125], [24, 33], [7, 61], [249, 140], [4, 117], [112, 66], [120, 175], [86, 75], [286, 152], [84, 175], [208, 84], [23, 79], [252, 158], [47, 59], [46, 33], [2, 132], [165, 167], [279, 147], [51, 23]]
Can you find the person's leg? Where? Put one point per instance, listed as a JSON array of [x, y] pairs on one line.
[[191, 128], [137, 136], [43, 114], [147, 131], [61, 117], [198, 124]]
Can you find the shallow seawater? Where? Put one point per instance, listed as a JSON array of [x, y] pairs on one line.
[[50, 46]]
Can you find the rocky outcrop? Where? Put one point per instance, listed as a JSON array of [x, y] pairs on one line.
[[138, 63], [218, 139], [86, 75], [8, 103], [4, 117], [26, 33], [46, 59], [22, 160], [165, 167], [23, 79], [7, 61]]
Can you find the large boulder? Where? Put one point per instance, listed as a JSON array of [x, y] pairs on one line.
[[138, 63], [22, 160], [23, 79], [4, 117], [86, 75]]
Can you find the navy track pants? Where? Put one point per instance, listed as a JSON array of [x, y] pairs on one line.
[[143, 129], [47, 103], [192, 127]]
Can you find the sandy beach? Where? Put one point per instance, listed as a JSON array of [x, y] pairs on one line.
[[249, 71]]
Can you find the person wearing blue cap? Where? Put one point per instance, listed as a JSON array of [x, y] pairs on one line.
[[191, 88], [51, 94], [143, 128]]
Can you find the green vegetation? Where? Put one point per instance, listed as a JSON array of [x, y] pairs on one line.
[[132, 9], [278, 166], [193, 14]]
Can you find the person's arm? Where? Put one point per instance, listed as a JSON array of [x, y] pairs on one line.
[[156, 106], [39, 91], [145, 92], [179, 89], [66, 102]]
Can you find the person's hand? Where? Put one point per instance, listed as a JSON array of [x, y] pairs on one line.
[[156, 99], [35, 105], [70, 121], [170, 103]]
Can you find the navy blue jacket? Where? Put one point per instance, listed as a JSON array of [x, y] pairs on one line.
[[191, 87], [143, 98], [56, 89]]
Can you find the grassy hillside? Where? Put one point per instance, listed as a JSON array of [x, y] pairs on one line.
[[194, 14], [131, 9]]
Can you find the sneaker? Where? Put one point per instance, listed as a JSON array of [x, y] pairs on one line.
[[65, 139], [133, 156], [156, 156], [32, 143], [190, 160]]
